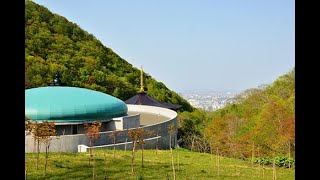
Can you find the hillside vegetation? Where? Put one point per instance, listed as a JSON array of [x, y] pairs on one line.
[[188, 165], [261, 123], [52, 43]]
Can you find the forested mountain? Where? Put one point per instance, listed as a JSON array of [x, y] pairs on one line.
[[52, 43], [261, 123]]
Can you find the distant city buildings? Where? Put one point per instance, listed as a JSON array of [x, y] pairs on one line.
[[209, 100]]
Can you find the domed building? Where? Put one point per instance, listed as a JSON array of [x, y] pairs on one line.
[[70, 108]]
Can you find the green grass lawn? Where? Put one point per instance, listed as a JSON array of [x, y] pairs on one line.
[[188, 165]]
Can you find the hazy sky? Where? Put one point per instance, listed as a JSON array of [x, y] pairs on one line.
[[193, 44]]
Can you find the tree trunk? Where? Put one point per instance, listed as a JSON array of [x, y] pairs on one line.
[[114, 145], [46, 163], [219, 164], [289, 155], [211, 150], [178, 161], [274, 175], [262, 171], [170, 141], [93, 161], [259, 167], [192, 142], [38, 153], [217, 153], [252, 154], [125, 145], [105, 161], [218, 161], [93, 168], [34, 144], [172, 163], [62, 141], [132, 159], [142, 155], [90, 151], [157, 144]]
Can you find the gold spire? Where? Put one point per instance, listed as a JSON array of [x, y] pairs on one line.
[[141, 80]]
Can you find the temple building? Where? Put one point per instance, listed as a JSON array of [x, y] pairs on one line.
[[142, 98], [70, 108]]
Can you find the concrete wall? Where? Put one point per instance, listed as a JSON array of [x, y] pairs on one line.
[[125, 122], [118, 123], [67, 129], [69, 143]]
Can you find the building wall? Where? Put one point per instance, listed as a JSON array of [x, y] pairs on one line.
[[125, 122], [69, 143], [67, 129], [118, 123]]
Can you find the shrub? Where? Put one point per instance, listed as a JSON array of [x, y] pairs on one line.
[[203, 171], [139, 177], [262, 160], [283, 161]]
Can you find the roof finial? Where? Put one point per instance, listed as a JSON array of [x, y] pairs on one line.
[[57, 80], [141, 80]]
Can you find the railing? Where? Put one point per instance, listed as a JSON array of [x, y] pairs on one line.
[[84, 148]]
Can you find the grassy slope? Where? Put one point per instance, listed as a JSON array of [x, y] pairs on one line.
[[191, 164]]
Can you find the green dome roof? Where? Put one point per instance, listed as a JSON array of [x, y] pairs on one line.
[[63, 104]]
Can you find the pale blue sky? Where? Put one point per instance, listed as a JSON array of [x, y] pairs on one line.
[[193, 44]]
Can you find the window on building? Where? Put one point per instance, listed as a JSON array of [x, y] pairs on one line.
[[74, 129]]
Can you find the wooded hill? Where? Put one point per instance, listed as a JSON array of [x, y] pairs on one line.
[[52, 43], [261, 123]]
